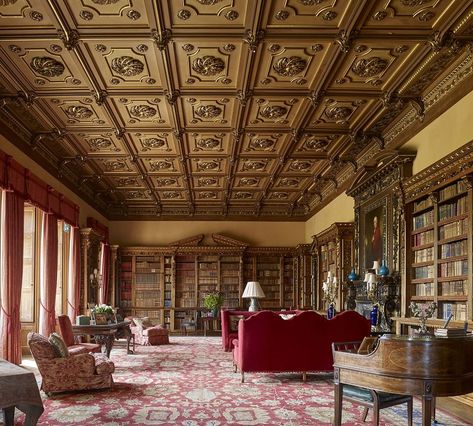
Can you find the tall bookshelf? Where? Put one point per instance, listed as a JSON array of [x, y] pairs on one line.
[[288, 295], [230, 280], [125, 280], [186, 278], [268, 274], [208, 272]]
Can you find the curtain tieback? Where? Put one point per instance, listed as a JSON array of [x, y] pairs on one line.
[[9, 318]]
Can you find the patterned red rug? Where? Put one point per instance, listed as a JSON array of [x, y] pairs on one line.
[[191, 382]]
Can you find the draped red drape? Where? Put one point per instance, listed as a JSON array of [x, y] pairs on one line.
[[48, 275], [105, 273], [73, 279], [12, 230]]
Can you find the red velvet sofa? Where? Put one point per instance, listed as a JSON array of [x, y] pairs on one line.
[[268, 343], [229, 319]]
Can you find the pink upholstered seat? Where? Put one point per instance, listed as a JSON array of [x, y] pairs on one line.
[[78, 372], [153, 335], [65, 327]]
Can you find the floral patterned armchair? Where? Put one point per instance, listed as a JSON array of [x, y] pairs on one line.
[[147, 334], [74, 372]]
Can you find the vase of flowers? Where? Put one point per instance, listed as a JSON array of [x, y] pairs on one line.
[[103, 314], [423, 312], [214, 302]]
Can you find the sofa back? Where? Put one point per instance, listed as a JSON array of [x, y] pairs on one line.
[[267, 342]]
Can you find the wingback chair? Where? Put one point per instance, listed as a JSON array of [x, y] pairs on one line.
[[65, 327], [77, 372], [146, 334]]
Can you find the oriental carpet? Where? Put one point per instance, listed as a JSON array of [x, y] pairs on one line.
[[191, 382]]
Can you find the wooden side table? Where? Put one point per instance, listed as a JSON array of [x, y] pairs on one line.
[[210, 324]]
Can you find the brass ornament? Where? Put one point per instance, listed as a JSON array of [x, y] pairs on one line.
[[279, 195], [127, 66], [316, 144], [133, 195], [36, 16], [208, 111], [46, 66], [289, 67], [282, 15], [273, 112], [330, 15], [231, 15], [78, 112], [142, 111], [338, 113], [369, 67], [184, 14], [127, 181], [105, 2], [208, 65], [134, 15], [209, 2]]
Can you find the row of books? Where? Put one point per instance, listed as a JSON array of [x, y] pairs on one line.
[[229, 266], [206, 265], [184, 303], [423, 238], [452, 269], [457, 248], [425, 289], [453, 229], [422, 204], [424, 255], [423, 219], [452, 190], [125, 266], [147, 278], [268, 273], [453, 209], [458, 310], [449, 332], [153, 294], [424, 272], [452, 288]]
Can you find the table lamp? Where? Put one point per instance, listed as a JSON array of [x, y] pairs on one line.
[[253, 291]]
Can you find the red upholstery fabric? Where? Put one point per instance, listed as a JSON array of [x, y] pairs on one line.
[[65, 327], [149, 336], [228, 332], [267, 342]]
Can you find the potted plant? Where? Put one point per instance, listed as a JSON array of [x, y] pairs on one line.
[[103, 313], [214, 302]]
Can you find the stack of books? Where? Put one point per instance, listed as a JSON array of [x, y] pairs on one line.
[[449, 332]]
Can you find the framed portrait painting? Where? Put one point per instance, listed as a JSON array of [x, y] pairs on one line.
[[374, 238]]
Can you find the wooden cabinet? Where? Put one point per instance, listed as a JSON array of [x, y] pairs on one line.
[[438, 239], [169, 283], [334, 252]]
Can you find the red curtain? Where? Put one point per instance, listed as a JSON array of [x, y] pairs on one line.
[[48, 275], [73, 279], [105, 273], [12, 230]]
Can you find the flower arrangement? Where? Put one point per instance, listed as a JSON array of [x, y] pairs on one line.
[[103, 309], [213, 300], [423, 312]]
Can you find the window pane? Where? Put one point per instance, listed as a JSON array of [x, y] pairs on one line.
[[27, 288], [60, 271]]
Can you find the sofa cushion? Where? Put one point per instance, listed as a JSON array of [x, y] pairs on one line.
[[59, 345]]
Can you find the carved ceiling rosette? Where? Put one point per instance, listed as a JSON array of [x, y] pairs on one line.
[[279, 196], [369, 67], [208, 111], [261, 144], [208, 195], [290, 67], [273, 112], [152, 143], [255, 165], [208, 65], [338, 113], [78, 112], [249, 181], [127, 66], [243, 195], [161, 165], [208, 165], [300, 165], [171, 195], [127, 181], [133, 195], [115, 165], [97, 144], [167, 181], [207, 181], [46, 66], [142, 111], [292, 182], [315, 144], [208, 144]]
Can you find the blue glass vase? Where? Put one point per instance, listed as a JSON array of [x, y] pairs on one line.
[[352, 275], [331, 311], [383, 270], [374, 316]]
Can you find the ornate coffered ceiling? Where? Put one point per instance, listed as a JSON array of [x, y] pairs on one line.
[[222, 109]]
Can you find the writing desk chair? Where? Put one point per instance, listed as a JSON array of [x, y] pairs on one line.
[[369, 398]]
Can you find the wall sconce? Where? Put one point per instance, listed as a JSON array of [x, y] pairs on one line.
[[95, 279]]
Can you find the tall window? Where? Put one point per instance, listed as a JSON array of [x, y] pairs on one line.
[[63, 235], [27, 286]]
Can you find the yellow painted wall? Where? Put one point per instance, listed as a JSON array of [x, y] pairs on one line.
[[339, 210], [163, 232], [446, 133], [25, 161]]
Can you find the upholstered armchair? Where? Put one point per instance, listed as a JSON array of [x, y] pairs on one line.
[[65, 327], [147, 334], [77, 372]]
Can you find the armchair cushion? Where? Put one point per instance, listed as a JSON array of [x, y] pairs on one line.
[[103, 365], [59, 345]]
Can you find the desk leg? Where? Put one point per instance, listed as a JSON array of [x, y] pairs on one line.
[[206, 324], [426, 410], [9, 415], [106, 340], [338, 397]]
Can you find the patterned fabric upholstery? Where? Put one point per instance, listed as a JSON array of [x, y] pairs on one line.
[[59, 345], [78, 372], [146, 336], [65, 326]]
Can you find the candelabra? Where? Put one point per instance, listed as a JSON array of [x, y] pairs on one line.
[[330, 288], [95, 279]]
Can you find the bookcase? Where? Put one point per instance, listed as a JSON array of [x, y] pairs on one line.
[[334, 250], [304, 268], [438, 239], [168, 283]]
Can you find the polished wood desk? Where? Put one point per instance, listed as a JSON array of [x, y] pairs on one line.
[[18, 388], [420, 366], [106, 334]]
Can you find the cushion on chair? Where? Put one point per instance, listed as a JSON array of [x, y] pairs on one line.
[[103, 365], [365, 395], [59, 345], [41, 346], [65, 327]]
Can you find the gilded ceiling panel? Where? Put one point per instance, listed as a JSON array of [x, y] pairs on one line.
[[92, 14], [127, 182], [313, 14], [245, 195], [162, 165], [168, 197], [208, 195], [25, 14], [208, 182], [115, 165], [290, 183], [200, 143], [143, 111], [209, 64], [209, 166], [317, 146], [153, 143], [204, 111], [291, 64], [276, 111], [167, 182], [300, 167], [250, 182], [256, 166], [43, 66], [209, 14], [130, 65], [257, 143], [100, 143]]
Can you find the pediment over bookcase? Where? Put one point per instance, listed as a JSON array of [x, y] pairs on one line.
[[378, 196], [222, 245]]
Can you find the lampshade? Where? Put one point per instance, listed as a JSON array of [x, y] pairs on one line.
[[376, 266], [371, 278], [253, 289]]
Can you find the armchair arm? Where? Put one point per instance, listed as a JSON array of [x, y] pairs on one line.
[[82, 365]]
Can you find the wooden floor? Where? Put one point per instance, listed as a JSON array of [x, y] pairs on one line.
[[463, 411]]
